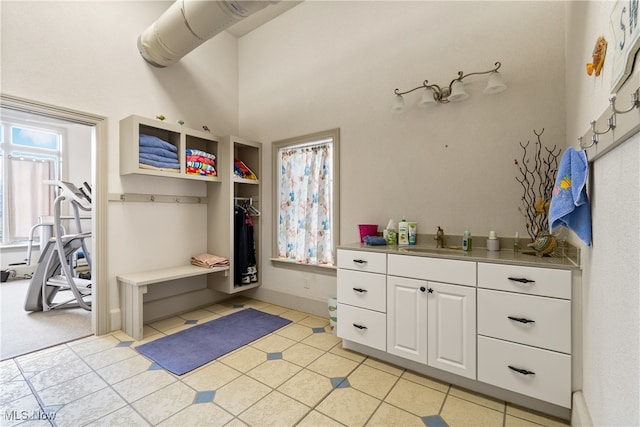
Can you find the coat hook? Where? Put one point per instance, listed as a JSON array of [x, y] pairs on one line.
[[635, 103]]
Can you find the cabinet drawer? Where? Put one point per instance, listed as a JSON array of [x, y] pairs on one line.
[[542, 322], [373, 262], [549, 377], [360, 289], [529, 280], [436, 269], [362, 326]]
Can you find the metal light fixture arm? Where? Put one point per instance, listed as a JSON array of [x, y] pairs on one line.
[[441, 94]]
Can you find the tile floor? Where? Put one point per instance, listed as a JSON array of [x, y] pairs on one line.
[[298, 375]]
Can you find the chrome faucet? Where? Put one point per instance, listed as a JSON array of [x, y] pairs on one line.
[[439, 238]]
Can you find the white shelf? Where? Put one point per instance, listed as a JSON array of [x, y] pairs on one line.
[[182, 138]]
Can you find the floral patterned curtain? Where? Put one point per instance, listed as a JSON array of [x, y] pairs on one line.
[[28, 197], [304, 226]]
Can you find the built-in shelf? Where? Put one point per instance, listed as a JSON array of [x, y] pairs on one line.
[[181, 137], [221, 200]]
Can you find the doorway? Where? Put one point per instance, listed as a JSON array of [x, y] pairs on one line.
[[93, 128]]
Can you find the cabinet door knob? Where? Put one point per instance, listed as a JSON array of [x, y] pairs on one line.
[[521, 280], [360, 261], [359, 290], [521, 371], [422, 289], [430, 290], [521, 319], [359, 326]]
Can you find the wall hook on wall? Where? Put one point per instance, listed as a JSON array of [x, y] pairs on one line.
[[611, 124], [635, 102]]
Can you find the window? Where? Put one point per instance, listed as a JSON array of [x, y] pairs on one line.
[[306, 183], [30, 155]]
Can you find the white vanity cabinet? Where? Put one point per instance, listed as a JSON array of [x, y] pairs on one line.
[[361, 295], [407, 318], [524, 330], [431, 312], [451, 328]]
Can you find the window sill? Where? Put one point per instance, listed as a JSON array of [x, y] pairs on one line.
[[296, 265]]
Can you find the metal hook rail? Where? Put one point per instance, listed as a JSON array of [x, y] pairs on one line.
[[611, 121], [141, 198]]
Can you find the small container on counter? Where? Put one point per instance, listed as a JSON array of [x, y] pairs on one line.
[[493, 244]]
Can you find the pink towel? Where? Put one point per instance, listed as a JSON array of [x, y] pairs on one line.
[[209, 261]]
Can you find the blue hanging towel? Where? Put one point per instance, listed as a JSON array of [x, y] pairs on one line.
[[569, 202]]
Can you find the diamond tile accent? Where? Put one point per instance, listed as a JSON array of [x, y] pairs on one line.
[[155, 367], [125, 343], [190, 322], [434, 421], [340, 382], [318, 330], [238, 305], [274, 356], [205, 396]]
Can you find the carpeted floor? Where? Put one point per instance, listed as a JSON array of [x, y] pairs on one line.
[[23, 332]]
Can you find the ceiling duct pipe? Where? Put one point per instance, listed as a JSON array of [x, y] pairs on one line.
[[189, 23]]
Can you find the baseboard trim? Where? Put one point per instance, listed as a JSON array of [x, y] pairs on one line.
[[115, 320], [313, 306], [580, 415]]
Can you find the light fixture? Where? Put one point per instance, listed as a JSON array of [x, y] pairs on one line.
[[454, 92]]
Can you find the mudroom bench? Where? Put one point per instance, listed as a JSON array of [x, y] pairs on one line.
[[133, 286]]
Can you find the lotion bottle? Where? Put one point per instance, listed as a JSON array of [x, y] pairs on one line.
[[403, 232], [466, 240]]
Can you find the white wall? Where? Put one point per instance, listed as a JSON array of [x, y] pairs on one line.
[[83, 56], [611, 274], [336, 64]]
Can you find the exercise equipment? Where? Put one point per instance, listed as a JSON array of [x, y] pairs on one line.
[[54, 271]]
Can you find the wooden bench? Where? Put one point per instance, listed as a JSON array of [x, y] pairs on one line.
[[134, 285]]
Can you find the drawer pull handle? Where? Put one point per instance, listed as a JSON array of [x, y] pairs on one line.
[[359, 290], [521, 319], [359, 326], [360, 261], [521, 371], [521, 280]]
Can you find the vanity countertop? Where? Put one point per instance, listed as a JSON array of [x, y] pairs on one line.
[[525, 258]]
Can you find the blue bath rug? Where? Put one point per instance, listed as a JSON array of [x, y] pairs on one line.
[[187, 350]]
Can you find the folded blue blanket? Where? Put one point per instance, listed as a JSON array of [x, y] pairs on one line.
[[153, 141], [569, 201], [161, 152], [156, 158], [166, 165], [374, 240]]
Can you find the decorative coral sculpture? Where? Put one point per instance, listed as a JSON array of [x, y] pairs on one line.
[[536, 174]]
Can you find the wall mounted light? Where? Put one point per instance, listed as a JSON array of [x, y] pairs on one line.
[[435, 94]]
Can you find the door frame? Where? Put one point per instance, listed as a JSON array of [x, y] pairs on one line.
[[99, 155]]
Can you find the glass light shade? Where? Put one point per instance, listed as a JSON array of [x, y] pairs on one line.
[[427, 99], [457, 92], [495, 83], [398, 103]]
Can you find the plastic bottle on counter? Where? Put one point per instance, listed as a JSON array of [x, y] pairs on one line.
[[413, 232], [516, 243], [390, 234], [403, 232], [467, 241]]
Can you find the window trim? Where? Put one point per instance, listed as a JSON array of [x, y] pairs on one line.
[[334, 134]]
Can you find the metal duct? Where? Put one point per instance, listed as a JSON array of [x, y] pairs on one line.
[[189, 23]]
